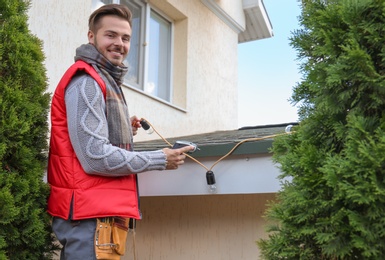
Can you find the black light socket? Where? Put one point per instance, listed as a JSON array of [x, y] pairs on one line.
[[210, 177], [144, 124]]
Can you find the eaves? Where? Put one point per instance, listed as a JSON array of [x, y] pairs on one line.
[[256, 19], [247, 170], [220, 143]]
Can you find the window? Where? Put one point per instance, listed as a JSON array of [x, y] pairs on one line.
[[149, 60]]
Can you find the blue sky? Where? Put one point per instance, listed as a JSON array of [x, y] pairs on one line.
[[268, 70]]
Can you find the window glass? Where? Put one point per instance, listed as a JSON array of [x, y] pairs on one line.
[[158, 83]]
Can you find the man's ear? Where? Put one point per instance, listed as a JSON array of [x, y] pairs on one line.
[[91, 37]]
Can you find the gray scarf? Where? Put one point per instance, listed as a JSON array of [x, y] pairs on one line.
[[119, 126]]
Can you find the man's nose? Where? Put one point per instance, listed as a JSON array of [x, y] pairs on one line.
[[118, 41]]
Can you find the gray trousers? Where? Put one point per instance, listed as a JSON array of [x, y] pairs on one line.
[[76, 237]]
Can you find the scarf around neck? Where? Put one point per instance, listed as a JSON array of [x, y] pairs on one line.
[[119, 127]]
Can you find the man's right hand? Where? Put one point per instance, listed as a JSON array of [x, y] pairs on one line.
[[175, 157]]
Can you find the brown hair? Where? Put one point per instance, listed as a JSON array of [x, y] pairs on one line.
[[121, 11]]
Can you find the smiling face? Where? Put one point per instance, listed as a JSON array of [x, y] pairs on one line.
[[112, 38]]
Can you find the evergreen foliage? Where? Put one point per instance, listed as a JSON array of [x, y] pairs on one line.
[[25, 231], [332, 203]]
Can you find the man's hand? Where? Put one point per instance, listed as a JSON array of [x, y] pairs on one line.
[[175, 157], [135, 123]]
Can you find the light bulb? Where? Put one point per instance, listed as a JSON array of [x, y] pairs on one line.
[[210, 178], [146, 126], [288, 129], [150, 130], [212, 189]]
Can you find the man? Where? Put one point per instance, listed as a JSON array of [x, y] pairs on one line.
[[92, 167]]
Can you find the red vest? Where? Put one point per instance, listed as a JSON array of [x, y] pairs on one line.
[[93, 196]]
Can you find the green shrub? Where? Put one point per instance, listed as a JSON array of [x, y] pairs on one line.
[[332, 204], [25, 231]]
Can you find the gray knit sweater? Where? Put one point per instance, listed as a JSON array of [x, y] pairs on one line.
[[88, 131]]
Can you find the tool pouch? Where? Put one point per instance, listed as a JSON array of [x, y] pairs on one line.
[[110, 237]]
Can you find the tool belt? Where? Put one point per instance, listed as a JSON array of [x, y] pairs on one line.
[[111, 236]]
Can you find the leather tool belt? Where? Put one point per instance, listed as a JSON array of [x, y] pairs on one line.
[[110, 237]]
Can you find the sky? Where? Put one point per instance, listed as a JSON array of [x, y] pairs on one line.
[[268, 70]]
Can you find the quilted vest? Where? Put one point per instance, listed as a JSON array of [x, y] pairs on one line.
[[92, 195]]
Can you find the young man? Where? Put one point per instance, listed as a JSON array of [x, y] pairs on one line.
[[92, 166]]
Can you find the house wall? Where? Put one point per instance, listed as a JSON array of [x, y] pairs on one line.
[[215, 227], [205, 63], [62, 27]]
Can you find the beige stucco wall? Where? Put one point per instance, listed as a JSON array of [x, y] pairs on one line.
[[214, 227], [205, 58], [62, 26]]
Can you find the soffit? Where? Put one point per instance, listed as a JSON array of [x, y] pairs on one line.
[[257, 22], [258, 25]]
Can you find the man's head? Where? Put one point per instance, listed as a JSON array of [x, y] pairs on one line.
[[110, 32]]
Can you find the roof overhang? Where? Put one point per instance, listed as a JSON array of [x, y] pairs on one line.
[[238, 174], [258, 25], [248, 169], [257, 22]]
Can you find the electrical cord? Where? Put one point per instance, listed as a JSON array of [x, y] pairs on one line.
[[254, 139]]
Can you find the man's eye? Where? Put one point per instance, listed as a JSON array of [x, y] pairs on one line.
[[126, 39]]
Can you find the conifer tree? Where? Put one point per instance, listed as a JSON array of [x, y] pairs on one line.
[[332, 202], [24, 224]]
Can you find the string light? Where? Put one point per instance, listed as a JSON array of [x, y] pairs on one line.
[[210, 177], [146, 126], [288, 129]]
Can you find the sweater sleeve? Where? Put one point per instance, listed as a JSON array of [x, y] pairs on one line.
[[88, 131]]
